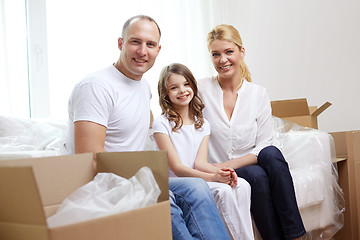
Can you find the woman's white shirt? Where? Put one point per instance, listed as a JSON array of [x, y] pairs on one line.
[[250, 128]]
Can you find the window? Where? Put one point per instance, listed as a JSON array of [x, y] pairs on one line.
[[59, 42], [14, 93]]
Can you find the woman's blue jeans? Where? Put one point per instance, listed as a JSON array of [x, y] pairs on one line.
[[273, 203], [194, 214]]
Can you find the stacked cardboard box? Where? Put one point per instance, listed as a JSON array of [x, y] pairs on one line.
[[347, 146]]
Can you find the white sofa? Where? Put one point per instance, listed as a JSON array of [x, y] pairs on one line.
[[309, 153]]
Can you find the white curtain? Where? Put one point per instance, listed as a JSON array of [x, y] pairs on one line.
[[14, 98], [81, 37]]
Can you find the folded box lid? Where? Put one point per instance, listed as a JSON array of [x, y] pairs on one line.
[[20, 201], [52, 179], [295, 108]]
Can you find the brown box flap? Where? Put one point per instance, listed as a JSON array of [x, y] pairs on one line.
[[318, 111], [126, 164], [290, 108], [57, 177], [20, 201]]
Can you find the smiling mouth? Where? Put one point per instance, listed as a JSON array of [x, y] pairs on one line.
[[183, 97], [139, 60], [226, 67]]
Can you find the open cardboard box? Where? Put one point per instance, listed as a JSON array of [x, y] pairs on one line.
[[298, 111], [32, 189]]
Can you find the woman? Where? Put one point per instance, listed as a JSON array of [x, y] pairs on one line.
[[239, 113]]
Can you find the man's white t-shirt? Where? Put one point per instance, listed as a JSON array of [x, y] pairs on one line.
[[122, 105], [186, 141]]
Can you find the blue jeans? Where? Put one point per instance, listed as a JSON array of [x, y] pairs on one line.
[[194, 214], [273, 203]]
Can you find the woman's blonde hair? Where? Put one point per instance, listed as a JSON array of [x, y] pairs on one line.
[[196, 106], [229, 33]]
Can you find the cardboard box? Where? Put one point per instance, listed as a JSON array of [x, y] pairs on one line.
[[32, 189], [347, 145], [298, 111]]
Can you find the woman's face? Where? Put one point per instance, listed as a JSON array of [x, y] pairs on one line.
[[226, 57]]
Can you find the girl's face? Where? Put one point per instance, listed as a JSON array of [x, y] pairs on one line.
[[226, 57], [179, 90]]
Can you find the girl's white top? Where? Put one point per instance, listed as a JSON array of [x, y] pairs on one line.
[[186, 141]]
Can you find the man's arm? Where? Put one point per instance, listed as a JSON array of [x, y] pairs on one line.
[[89, 137]]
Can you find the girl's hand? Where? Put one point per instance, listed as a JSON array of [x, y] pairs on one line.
[[222, 176], [233, 176]]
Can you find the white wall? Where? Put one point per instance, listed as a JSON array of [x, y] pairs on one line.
[[295, 48], [307, 48]]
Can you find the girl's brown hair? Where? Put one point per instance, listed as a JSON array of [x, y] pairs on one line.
[[229, 33], [196, 106]]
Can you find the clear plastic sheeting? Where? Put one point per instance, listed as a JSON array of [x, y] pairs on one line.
[[107, 194], [309, 153], [32, 138]]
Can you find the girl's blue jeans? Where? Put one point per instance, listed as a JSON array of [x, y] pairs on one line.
[[194, 214]]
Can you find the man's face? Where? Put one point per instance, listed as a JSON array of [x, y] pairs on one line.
[[139, 48]]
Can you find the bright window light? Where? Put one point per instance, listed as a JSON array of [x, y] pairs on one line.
[[14, 91]]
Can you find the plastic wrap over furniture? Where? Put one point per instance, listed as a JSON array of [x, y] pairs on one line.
[[21, 138], [309, 153]]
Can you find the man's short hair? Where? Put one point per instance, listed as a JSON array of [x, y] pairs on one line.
[[138, 17]]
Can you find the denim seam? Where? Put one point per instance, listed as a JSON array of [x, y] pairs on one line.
[[191, 213]]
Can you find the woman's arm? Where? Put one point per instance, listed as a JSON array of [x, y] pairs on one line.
[[163, 142], [249, 159]]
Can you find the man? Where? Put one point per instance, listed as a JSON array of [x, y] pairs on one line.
[[110, 111]]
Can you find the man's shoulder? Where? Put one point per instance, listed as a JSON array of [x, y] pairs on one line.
[[106, 78], [100, 73]]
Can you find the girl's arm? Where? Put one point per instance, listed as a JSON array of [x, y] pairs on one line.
[[163, 142], [202, 164], [201, 160]]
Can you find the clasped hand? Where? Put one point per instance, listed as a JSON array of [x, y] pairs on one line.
[[227, 175]]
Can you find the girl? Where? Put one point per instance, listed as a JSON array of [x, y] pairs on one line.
[[184, 133], [240, 113]]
